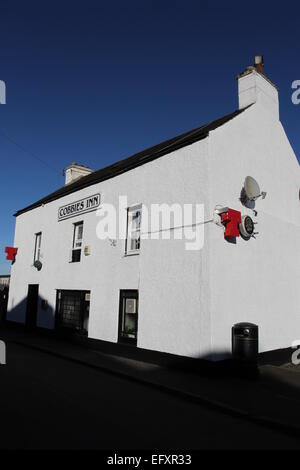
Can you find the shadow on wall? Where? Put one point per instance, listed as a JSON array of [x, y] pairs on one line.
[[35, 311], [32, 312], [215, 364], [24, 315]]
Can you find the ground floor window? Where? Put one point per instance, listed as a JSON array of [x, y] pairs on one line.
[[72, 310], [128, 321]]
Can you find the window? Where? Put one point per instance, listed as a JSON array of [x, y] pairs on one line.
[[134, 218], [72, 310], [77, 242], [37, 247], [128, 321]]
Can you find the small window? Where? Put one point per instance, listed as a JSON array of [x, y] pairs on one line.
[[37, 248], [134, 218], [77, 243]]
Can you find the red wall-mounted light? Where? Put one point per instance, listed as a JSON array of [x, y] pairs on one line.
[[11, 253], [231, 220]]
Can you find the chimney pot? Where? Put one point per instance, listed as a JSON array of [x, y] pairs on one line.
[[259, 63]]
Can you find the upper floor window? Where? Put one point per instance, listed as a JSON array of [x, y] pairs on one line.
[[77, 242], [37, 247], [134, 219]]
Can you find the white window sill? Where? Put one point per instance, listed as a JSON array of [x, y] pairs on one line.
[[132, 253]]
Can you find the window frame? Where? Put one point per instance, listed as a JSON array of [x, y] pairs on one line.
[[133, 210], [37, 247], [126, 294], [76, 240], [77, 298]]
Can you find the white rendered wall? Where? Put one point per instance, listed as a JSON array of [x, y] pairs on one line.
[[256, 281], [172, 283], [255, 88]]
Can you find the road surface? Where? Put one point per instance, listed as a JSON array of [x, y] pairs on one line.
[[52, 403]]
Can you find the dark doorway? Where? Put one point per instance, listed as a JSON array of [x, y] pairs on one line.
[[128, 317], [72, 311], [32, 306], [3, 303]]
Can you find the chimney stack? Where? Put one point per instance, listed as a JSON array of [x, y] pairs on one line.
[[74, 172], [256, 88]]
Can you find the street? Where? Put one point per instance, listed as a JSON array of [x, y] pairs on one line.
[[52, 403]]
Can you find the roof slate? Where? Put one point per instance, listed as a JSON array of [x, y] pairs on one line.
[[135, 160]]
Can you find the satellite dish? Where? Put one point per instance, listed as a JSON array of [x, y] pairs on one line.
[[250, 192], [252, 188]]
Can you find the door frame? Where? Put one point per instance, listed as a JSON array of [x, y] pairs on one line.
[[125, 294]]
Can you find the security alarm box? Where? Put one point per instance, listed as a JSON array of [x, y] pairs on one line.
[[87, 250]]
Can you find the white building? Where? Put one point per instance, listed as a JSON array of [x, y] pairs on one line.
[[156, 293]]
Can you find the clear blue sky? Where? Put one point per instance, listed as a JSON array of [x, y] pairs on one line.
[[94, 82]]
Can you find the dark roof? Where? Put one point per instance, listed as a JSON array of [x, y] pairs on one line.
[[135, 160]]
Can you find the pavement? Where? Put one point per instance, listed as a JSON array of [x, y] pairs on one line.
[[269, 395]]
